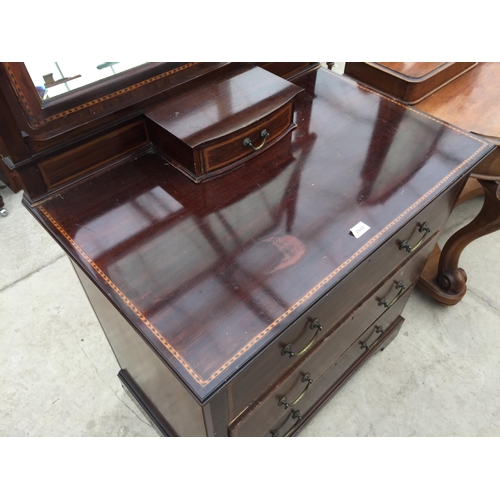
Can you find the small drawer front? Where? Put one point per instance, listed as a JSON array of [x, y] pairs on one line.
[[302, 388], [230, 149], [362, 295]]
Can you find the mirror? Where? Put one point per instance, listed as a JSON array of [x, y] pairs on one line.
[[55, 78]]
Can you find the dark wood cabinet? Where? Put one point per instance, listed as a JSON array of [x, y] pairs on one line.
[[238, 306]]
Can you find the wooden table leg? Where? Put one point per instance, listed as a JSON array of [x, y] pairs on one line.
[[441, 278]]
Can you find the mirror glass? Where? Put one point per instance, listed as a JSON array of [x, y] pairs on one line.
[[55, 78]]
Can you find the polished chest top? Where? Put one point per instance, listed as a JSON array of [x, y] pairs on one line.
[[223, 123], [210, 274]]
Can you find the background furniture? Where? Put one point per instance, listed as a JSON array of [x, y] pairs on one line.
[[470, 100]]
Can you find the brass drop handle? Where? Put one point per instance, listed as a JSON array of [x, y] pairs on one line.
[[295, 414], [288, 348], [409, 248], [383, 302], [247, 143], [284, 402], [364, 345]]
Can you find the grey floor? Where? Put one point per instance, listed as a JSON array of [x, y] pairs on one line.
[[440, 376]]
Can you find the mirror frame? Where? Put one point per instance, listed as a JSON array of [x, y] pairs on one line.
[[44, 120]]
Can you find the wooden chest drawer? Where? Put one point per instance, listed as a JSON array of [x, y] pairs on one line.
[[304, 386], [330, 311]]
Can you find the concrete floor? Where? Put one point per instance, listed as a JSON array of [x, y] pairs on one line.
[[440, 376]]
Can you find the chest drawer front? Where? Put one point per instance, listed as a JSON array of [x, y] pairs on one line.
[[345, 303], [231, 150], [302, 388]]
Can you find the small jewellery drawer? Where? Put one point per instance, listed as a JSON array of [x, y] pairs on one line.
[[245, 143], [299, 390], [304, 336]]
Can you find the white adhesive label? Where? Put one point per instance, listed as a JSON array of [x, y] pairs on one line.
[[359, 229]]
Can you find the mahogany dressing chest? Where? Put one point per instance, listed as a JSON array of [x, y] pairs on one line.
[[238, 305]]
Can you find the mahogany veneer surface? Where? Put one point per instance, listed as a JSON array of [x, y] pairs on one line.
[[210, 274]]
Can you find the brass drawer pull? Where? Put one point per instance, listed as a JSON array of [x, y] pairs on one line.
[[247, 143], [288, 348], [364, 345], [295, 414], [383, 302], [409, 248], [283, 401]]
